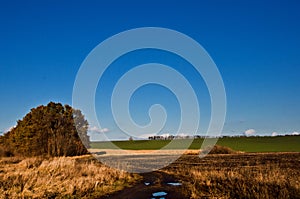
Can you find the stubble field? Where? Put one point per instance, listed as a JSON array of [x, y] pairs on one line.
[[241, 175]]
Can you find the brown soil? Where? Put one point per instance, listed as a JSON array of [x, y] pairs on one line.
[[158, 182]]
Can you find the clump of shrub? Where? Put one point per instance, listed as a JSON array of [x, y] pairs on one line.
[[217, 149]]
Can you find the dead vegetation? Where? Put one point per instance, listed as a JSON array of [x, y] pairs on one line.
[[62, 177], [239, 175], [216, 149], [219, 150]]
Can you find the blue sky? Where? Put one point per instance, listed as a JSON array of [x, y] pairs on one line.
[[255, 44]]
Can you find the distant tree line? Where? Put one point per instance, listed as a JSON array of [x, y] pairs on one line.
[[171, 137], [52, 130]]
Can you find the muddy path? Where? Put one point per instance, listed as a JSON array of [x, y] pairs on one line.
[[156, 185]]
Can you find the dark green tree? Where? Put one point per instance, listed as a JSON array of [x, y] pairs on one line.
[[52, 130]]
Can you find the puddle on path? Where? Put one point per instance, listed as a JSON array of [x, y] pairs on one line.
[[174, 183], [158, 194]]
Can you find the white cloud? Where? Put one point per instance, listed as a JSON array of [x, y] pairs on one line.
[[296, 133], [274, 134], [98, 130], [183, 134], [165, 135], [250, 132]]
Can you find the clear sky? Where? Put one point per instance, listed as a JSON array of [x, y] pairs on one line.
[[255, 44]]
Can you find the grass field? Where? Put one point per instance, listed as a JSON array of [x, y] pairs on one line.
[[63, 177], [246, 144]]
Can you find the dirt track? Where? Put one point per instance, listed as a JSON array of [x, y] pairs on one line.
[[158, 183]]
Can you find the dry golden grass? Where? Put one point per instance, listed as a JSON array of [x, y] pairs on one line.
[[243, 183], [239, 175], [63, 177]]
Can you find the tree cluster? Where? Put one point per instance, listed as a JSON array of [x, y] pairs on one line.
[[52, 130]]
